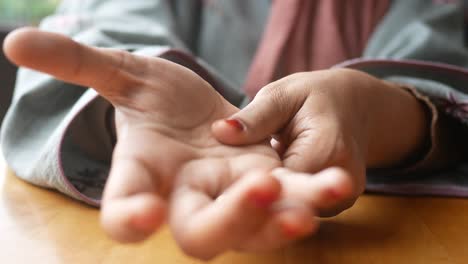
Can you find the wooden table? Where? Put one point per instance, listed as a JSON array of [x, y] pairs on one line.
[[41, 226]]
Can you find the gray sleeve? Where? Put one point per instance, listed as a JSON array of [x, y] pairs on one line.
[[421, 44], [55, 134]]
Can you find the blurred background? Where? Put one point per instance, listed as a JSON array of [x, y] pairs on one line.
[[25, 12], [13, 14]]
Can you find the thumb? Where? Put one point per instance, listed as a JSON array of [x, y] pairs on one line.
[[110, 72], [269, 112]]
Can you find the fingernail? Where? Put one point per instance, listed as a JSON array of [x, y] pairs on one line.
[[235, 124]]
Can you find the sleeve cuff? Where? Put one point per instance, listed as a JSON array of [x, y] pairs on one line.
[[85, 150], [441, 150], [431, 83]]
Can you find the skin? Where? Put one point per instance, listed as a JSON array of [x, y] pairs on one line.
[[337, 117], [168, 166], [169, 163]]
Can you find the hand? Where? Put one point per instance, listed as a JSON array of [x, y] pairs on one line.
[[219, 197], [328, 118]]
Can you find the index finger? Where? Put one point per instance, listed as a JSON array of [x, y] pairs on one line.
[[108, 71]]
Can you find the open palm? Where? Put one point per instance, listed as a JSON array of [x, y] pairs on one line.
[[166, 164]]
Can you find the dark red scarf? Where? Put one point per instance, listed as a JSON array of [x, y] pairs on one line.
[[307, 35]]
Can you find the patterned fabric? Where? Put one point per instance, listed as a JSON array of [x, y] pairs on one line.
[[455, 107]]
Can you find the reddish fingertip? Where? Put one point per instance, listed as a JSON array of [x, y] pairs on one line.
[[290, 231], [297, 223], [236, 124], [145, 223], [333, 194], [263, 199]]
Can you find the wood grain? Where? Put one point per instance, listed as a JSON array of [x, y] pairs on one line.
[[42, 226]]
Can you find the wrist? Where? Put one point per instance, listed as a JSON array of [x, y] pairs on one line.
[[399, 127]]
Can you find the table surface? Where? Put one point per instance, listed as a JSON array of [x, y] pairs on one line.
[[41, 226]]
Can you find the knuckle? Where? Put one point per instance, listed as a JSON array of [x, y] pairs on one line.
[[274, 91], [277, 94], [121, 81], [121, 58]]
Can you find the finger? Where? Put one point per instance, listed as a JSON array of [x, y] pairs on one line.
[[133, 218], [291, 220], [265, 115], [134, 205], [303, 194], [205, 228], [131, 208], [323, 147], [327, 192], [108, 71]]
